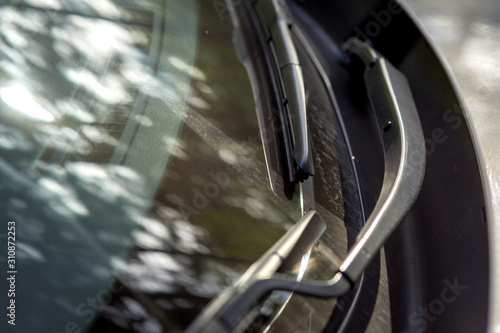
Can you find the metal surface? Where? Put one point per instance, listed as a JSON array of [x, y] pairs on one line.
[[465, 35], [404, 154]]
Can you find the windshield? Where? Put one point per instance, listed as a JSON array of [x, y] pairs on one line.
[[131, 162]]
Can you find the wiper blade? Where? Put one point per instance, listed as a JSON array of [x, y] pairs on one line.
[[276, 23]]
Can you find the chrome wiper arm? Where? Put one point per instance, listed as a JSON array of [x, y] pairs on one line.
[[276, 23], [404, 154]]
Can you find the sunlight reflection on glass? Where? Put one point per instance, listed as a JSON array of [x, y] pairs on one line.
[[12, 139], [22, 101], [63, 138], [103, 8], [110, 183], [60, 199], [98, 135], [199, 103], [159, 260], [109, 90], [194, 72], [188, 237], [147, 241], [52, 4], [28, 252], [156, 228]]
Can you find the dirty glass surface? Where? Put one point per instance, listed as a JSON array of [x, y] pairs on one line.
[[130, 161]]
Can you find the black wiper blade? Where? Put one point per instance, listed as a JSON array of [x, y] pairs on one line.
[[276, 23]]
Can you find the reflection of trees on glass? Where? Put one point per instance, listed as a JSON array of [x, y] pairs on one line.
[[92, 95]]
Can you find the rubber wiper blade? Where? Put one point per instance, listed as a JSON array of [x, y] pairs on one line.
[[276, 21]]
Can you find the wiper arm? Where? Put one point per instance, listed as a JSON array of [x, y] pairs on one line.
[[276, 24], [404, 159], [404, 153], [219, 316]]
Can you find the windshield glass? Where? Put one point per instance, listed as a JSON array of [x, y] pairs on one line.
[[131, 162]]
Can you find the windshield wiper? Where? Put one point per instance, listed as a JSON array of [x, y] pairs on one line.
[[276, 24], [404, 162]]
